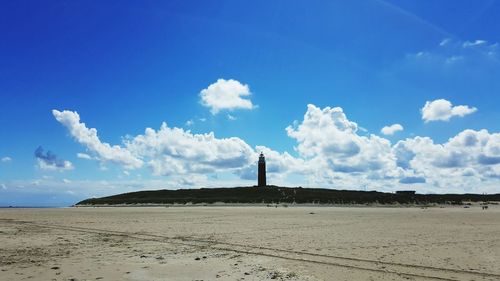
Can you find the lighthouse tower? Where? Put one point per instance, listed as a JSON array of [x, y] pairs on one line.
[[262, 170]]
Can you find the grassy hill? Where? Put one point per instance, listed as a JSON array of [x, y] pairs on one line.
[[276, 194]]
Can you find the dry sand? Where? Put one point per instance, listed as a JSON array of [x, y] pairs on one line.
[[250, 243]]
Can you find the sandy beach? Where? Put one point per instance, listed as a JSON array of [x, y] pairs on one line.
[[250, 243]]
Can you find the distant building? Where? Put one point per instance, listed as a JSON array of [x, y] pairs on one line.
[[262, 170], [406, 192]]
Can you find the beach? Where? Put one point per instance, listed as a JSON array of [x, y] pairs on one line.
[[250, 243]]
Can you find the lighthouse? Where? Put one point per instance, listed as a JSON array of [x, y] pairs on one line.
[[262, 170]]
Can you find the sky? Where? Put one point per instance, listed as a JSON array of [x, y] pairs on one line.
[[104, 97]]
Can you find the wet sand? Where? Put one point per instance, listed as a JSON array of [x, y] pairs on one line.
[[250, 243]]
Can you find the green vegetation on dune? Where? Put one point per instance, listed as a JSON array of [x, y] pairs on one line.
[[276, 194]]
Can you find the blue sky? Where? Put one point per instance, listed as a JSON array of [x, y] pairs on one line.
[[333, 72]]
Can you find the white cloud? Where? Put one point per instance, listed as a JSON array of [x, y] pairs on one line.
[[445, 42], [390, 130], [471, 55], [325, 131], [469, 158], [89, 138], [61, 166], [6, 159], [231, 117], [468, 44], [191, 180], [443, 110], [330, 152], [3, 186], [47, 160], [66, 181], [328, 141], [335, 154], [168, 151], [175, 151], [226, 95], [83, 156], [189, 123]]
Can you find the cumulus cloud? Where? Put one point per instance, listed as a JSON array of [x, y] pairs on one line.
[[329, 141], [390, 130], [49, 161], [88, 138], [226, 95], [443, 110], [176, 151], [325, 131], [470, 153], [329, 151], [6, 159], [334, 153], [167, 151]]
